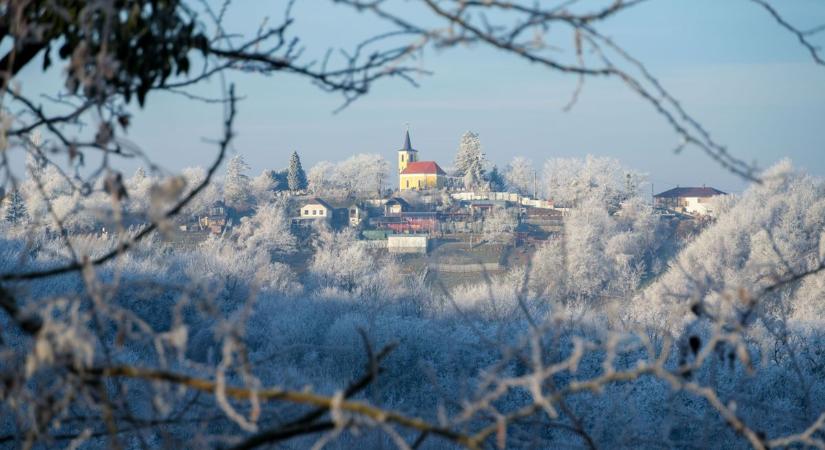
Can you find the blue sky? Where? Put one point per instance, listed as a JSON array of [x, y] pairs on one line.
[[731, 65]]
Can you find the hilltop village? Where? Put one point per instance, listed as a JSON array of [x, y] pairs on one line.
[[472, 216]]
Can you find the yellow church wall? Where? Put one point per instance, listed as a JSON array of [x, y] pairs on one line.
[[421, 181], [404, 158]]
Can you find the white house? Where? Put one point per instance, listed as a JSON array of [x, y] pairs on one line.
[[695, 201], [316, 209]]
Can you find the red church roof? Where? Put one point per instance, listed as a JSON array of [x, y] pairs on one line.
[[423, 167]]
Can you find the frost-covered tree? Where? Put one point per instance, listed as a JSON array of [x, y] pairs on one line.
[[343, 266], [571, 181], [600, 255], [341, 262], [234, 272], [237, 191], [321, 178], [43, 184], [139, 176], [520, 175], [208, 197], [15, 208], [296, 177], [496, 300], [500, 225], [587, 230], [361, 174], [268, 229], [470, 162], [263, 186], [138, 187]]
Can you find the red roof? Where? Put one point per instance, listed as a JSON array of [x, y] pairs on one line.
[[419, 167]]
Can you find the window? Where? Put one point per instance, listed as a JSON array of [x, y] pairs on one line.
[[306, 212], [314, 212], [408, 184], [402, 157], [321, 212]]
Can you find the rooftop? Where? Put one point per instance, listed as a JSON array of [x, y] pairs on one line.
[[407, 144], [690, 192], [318, 201], [423, 167]]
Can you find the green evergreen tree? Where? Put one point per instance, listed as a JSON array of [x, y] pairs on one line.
[[296, 177], [16, 210], [495, 180]]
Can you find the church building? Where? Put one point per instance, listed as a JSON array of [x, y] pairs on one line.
[[418, 175]]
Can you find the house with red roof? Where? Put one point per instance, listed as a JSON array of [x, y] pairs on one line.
[[415, 175]]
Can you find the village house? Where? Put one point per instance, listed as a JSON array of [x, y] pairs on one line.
[[696, 201], [316, 209], [215, 220], [395, 206], [418, 175], [356, 215]]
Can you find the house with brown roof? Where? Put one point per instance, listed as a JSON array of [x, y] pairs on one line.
[[695, 201]]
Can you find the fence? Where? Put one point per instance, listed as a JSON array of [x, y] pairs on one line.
[[503, 196]]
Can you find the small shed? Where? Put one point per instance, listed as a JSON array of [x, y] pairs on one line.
[[396, 206]]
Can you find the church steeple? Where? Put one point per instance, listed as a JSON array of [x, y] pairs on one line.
[[407, 144], [407, 154]]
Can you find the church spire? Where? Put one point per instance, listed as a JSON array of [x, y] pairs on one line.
[[407, 145]]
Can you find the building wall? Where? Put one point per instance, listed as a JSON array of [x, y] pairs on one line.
[[415, 181], [700, 206], [407, 244], [404, 158], [394, 209], [315, 210], [356, 216]]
